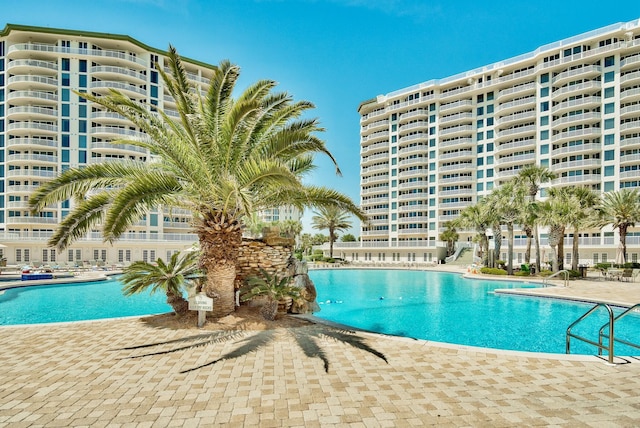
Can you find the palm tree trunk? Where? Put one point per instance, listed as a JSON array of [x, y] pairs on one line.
[[510, 248], [497, 242], [623, 240], [527, 251], [561, 251], [219, 247], [178, 303], [574, 253], [537, 236]]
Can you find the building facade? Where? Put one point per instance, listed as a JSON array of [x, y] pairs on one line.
[[432, 149], [45, 128]]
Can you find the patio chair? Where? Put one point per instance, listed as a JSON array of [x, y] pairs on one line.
[[626, 275], [634, 274]]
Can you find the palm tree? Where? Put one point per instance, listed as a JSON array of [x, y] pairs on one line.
[[475, 217], [582, 202], [171, 278], [554, 213], [334, 219], [223, 158], [621, 210], [533, 176], [450, 236], [508, 201]]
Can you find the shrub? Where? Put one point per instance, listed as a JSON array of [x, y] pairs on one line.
[[493, 271], [546, 272], [522, 273], [574, 274]]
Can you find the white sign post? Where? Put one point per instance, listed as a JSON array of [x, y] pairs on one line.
[[201, 303]]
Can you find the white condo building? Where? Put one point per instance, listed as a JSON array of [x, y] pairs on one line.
[[430, 150], [46, 128]]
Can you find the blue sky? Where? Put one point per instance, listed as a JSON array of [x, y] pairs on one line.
[[334, 53]]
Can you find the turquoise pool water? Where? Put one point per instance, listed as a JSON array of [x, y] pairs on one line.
[[75, 302], [445, 307]]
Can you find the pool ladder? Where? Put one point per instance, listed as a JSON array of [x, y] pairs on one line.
[[566, 277], [602, 333]]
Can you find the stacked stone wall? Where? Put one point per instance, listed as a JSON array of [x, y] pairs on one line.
[[257, 254]]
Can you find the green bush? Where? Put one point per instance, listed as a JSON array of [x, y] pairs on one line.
[[493, 271], [603, 265], [574, 274], [546, 272], [522, 273]]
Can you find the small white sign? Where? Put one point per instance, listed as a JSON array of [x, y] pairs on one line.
[[200, 302]]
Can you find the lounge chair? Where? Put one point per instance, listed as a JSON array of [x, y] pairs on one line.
[[634, 274], [626, 275]]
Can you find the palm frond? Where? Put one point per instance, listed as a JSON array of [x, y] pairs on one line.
[[80, 221]]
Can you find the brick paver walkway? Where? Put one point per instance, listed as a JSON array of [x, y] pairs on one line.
[[78, 375]]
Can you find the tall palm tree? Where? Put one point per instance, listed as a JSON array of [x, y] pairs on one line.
[[533, 177], [450, 236], [475, 217], [223, 158], [172, 278], [582, 202], [508, 201], [332, 218], [554, 213], [621, 210]]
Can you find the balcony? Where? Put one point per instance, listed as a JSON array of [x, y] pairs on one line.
[[376, 136], [629, 95], [31, 159], [116, 133], [462, 166], [107, 72], [512, 132], [404, 104], [22, 113], [518, 90], [515, 145], [417, 114], [456, 130], [455, 142], [630, 142], [577, 148], [368, 160], [457, 180], [578, 179], [456, 105], [457, 117], [585, 102], [382, 146], [376, 126], [410, 149], [420, 136], [44, 128], [630, 61], [593, 116], [631, 110], [525, 116], [108, 117], [516, 105], [364, 119], [107, 147], [516, 76], [630, 158], [31, 220], [516, 159], [460, 154], [458, 192], [578, 164], [374, 168], [32, 82], [455, 92], [585, 87], [33, 173], [422, 184], [633, 126], [32, 97], [568, 135], [423, 160], [103, 87], [586, 72], [32, 66], [633, 77], [374, 190], [413, 125], [28, 143]]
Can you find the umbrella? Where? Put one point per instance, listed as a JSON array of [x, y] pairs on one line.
[[620, 254]]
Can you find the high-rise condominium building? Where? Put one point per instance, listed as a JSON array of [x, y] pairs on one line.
[[432, 149], [45, 128]]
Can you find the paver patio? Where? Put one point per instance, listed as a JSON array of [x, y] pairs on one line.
[[77, 374]]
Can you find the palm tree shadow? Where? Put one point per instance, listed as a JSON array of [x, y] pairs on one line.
[[308, 338]]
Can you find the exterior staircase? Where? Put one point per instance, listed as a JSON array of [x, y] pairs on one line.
[[464, 259]]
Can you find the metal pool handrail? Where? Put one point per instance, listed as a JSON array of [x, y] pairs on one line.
[[600, 346], [602, 334], [566, 277]]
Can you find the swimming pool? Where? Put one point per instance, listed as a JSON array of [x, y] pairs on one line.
[[446, 307], [75, 302]]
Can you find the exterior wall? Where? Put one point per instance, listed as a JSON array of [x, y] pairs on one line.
[[45, 128], [432, 149], [257, 254]]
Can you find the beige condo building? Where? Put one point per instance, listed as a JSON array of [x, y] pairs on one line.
[[430, 150], [46, 128]]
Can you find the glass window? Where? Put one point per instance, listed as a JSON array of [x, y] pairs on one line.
[[82, 156], [609, 123], [544, 162], [609, 186], [65, 125], [489, 160], [432, 202], [82, 126], [394, 127], [65, 140], [65, 94], [480, 136], [479, 123], [490, 96], [432, 107], [65, 79], [609, 155], [154, 77], [544, 120], [489, 174], [544, 135], [432, 178], [609, 108], [490, 134], [544, 106], [609, 76], [432, 118], [544, 149], [394, 161], [65, 64], [479, 187], [82, 110], [609, 139], [65, 110], [544, 92], [432, 154], [82, 141], [609, 61], [432, 142], [609, 171], [82, 81], [480, 173], [544, 78], [480, 161], [480, 110], [489, 147], [82, 65], [480, 148], [609, 92], [394, 150], [432, 130], [489, 121], [65, 155], [490, 108], [480, 98]]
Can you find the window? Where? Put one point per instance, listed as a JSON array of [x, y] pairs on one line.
[[65, 110], [82, 156], [480, 148], [432, 142], [609, 171], [608, 77], [480, 161], [544, 78], [82, 111], [480, 136], [544, 120], [82, 126], [65, 79], [82, 81], [65, 94], [432, 130], [65, 125], [609, 92], [609, 139], [479, 123], [154, 77], [609, 108], [609, 155], [480, 110], [544, 106], [490, 96], [490, 108], [432, 118], [489, 160], [489, 134], [82, 66], [544, 149], [479, 187], [480, 173], [432, 107], [65, 155], [65, 64], [480, 99], [609, 61], [609, 123], [544, 135], [544, 92], [489, 147], [65, 140]]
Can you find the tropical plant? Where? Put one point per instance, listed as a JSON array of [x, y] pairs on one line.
[[621, 210], [554, 213], [450, 236], [334, 219], [476, 217], [172, 278], [222, 158], [507, 202], [582, 202], [290, 228], [533, 177], [349, 237], [277, 289]]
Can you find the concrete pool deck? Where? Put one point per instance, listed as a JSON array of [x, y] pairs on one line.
[[77, 374]]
